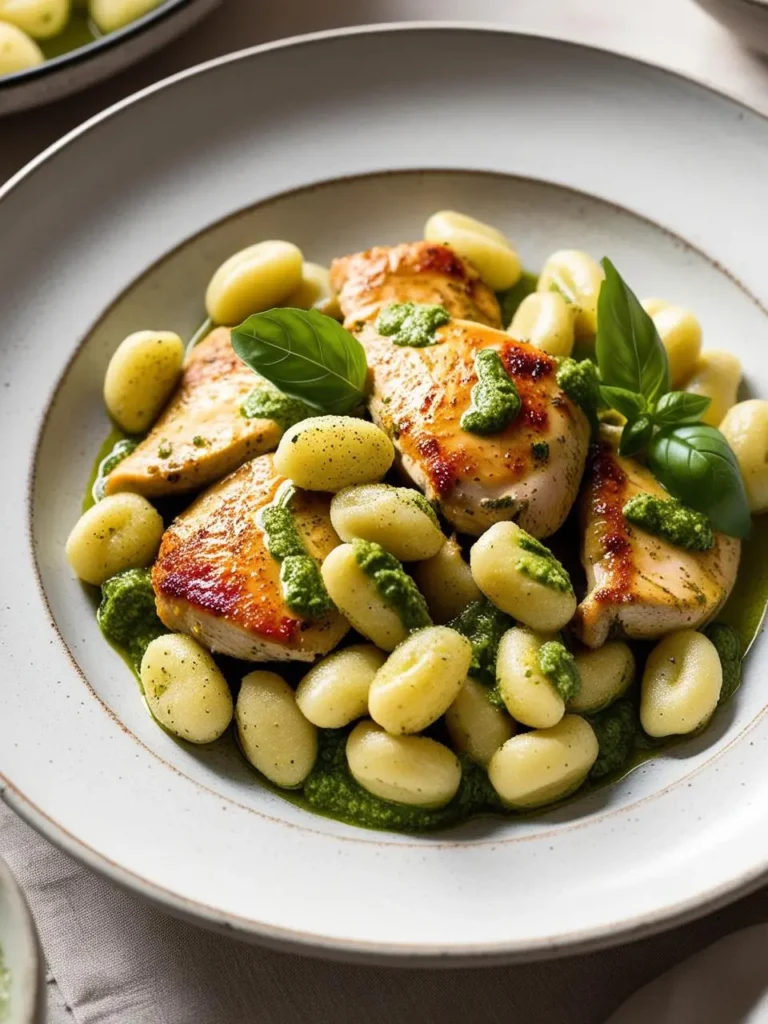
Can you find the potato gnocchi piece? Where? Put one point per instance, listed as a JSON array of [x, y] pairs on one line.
[[335, 691], [398, 518], [40, 19], [717, 376], [315, 292], [681, 684], [254, 279], [446, 582], [578, 278], [538, 767], [329, 453], [17, 51], [141, 377], [420, 680], [745, 427], [528, 694], [185, 689], [274, 735], [605, 673], [356, 596], [123, 531], [522, 577], [487, 249], [411, 770], [680, 334], [475, 725], [545, 320], [111, 15]]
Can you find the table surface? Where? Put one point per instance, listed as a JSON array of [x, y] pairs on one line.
[[673, 33]]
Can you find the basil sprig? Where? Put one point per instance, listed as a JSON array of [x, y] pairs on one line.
[[306, 355], [691, 460]]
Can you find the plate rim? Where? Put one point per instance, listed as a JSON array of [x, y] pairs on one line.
[[286, 939]]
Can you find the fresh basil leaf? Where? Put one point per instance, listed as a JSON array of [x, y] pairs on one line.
[[628, 403], [628, 348], [635, 436], [679, 407], [696, 465], [306, 355]]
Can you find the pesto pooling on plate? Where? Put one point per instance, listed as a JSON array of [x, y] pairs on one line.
[[127, 615]]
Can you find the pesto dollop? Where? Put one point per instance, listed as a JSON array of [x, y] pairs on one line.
[[495, 402], [266, 402], [616, 729], [669, 519], [332, 789], [581, 382], [121, 450], [483, 624], [127, 614], [393, 583], [540, 451], [410, 323], [728, 649], [559, 666], [538, 563], [300, 578]]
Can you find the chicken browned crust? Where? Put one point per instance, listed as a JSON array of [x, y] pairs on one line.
[[215, 579], [641, 586]]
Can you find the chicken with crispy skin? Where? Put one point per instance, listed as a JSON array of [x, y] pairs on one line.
[[215, 579], [641, 586], [529, 472]]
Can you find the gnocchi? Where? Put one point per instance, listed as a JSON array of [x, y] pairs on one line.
[[17, 51], [335, 691], [745, 427], [522, 577], [578, 278], [528, 694], [446, 582], [254, 279], [315, 291], [111, 15], [274, 735], [680, 334], [605, 674], [538, 767], [716, 375], [681, 684], [356, 596], [412, 770], [398, 518], [476, 726], [420, 680], [484, 247], [40, 19], [329, 453], [123, 531], [545, 320], [141, 375], [185, 689]]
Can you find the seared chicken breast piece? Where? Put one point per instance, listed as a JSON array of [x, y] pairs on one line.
[[529, 472], [215, 579], [202, 435], [639, 585]]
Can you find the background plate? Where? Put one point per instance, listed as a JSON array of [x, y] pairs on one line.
[[524, 136]]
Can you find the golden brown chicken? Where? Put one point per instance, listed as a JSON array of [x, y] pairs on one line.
[[639, 585], [215, 579], [202, 435], [530, 471]]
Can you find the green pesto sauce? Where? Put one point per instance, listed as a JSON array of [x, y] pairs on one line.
[[728, 647], [669, 518], [579, 380], [510, 300], [300, 577], [111, 441], [483, 624], [409, 323], [538, 563], [393, 583], [267, 402], [118, 452], [127, 615], [616, 728], [559, 666], [495, 402], [540, 451]]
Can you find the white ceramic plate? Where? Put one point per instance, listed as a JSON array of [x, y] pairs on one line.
[[21, 956], [559, 146], [60, 76]]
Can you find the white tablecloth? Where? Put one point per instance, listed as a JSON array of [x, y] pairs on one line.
[[113, 958]]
